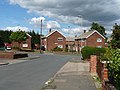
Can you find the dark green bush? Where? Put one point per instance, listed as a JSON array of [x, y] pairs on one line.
[[57, 49], [87, 51], [113, 56]]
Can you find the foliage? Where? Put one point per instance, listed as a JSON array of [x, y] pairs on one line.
[[1, 42], [35, 38], [113, 56], [57, 49], [87, 51], [18, 36], [4, 34], [115, 43], [16, 48], [66, 49], [99, 28]]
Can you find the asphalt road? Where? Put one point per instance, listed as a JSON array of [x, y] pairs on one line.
[[31, 75]]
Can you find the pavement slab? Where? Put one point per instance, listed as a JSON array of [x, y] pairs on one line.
[[74, 76]]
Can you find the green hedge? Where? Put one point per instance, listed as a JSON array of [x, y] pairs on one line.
[[57, 49], [87, 51]]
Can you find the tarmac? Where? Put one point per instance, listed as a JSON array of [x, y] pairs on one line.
[[74, 75]]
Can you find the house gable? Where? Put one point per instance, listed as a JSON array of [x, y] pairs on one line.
[[97, 33], [53, 33]]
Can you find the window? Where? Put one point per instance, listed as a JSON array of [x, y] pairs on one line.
[[25, 45], [99, 40], [60, 46], [99, 46], [60, 39]]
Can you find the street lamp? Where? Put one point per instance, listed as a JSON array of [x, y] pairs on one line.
[[80, 16]]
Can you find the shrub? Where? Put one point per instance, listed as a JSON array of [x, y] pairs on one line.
[[113, 56], [87, 51], [57, 49], [16, 48]]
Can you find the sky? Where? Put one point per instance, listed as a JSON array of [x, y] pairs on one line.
[[71, 17]]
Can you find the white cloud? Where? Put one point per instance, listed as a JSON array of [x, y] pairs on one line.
[[105, 12], [67, 10], [37, 21], [16, 28], [72, 31], [53, 24], [46, 24], [109, 32]]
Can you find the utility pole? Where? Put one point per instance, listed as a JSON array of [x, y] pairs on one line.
[[41, 36]]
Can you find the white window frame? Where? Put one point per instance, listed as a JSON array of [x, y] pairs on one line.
[[99, 39], [60, 46], [99, 46], [60, 39]]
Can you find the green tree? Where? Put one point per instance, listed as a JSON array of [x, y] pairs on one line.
[[1, 42], [98, 27], [35, 38], [115, 43], [18, 36], [5, 34]]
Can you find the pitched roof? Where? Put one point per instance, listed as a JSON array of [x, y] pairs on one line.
[[28, 35], [70, 38], [88, 34], [50, 33]]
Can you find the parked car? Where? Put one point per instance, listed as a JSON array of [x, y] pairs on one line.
[[8, 48]]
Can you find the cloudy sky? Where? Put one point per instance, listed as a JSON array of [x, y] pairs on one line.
[[70, 17]]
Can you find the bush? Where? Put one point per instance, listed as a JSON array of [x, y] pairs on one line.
[[57, 49], [87, 51], [113, 56], [16, 48]]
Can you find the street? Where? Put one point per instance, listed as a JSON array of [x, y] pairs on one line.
[[31, 75]]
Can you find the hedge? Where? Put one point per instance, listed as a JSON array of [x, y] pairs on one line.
[[87, 51]]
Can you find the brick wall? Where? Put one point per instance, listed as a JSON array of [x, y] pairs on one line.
[[8, 55], [96, 66]]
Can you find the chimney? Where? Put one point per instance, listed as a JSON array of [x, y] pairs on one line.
[[75, 35], [50, 30], [84, 31]]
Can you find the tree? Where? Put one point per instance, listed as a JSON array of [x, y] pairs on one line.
[[99, 28], [35, 38], [1, 42], [115, 43], [5, 34], [18, 36]]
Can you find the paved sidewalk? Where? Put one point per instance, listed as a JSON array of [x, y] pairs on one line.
[[73, 76]]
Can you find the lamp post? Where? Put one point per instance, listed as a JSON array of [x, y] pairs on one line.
[[80, 16], [41, 36]]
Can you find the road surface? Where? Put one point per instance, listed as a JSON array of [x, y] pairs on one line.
[[31, 75]]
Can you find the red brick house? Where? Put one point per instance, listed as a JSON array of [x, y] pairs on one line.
[[23, 45], [54, 39], [90, 38]]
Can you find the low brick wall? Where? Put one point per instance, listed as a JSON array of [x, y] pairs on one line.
[[12, 55], [4, 54]]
